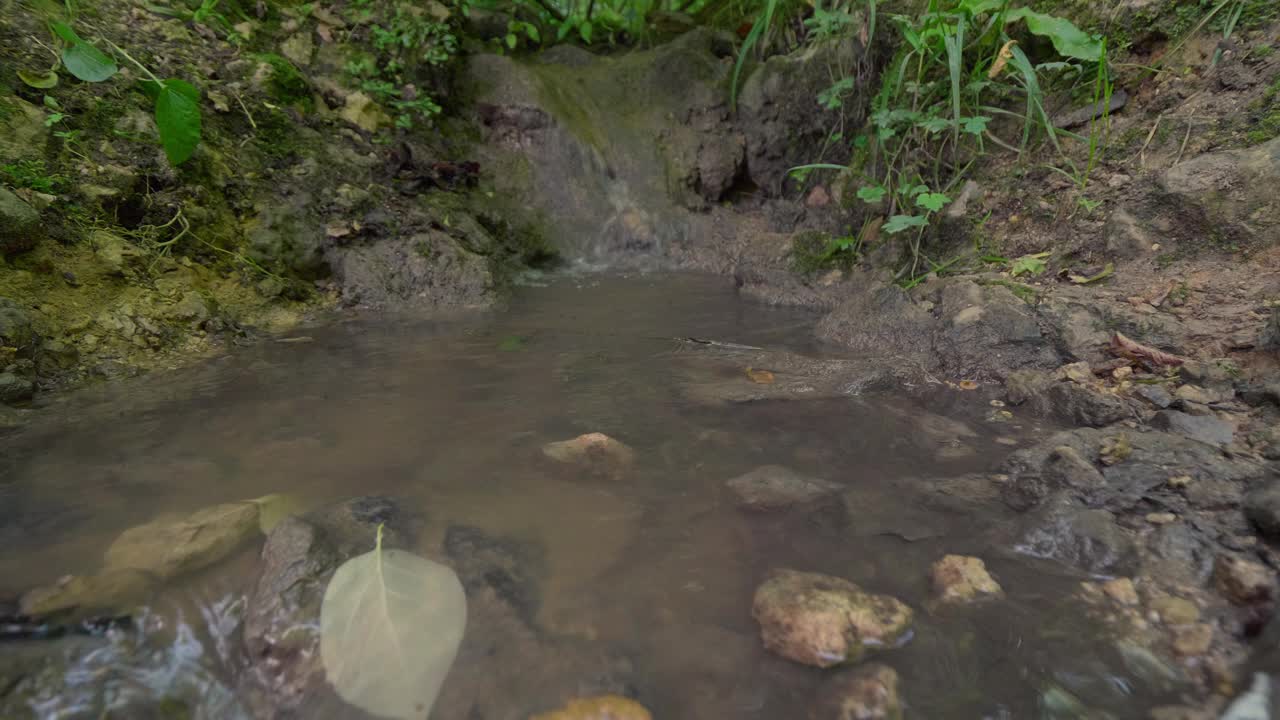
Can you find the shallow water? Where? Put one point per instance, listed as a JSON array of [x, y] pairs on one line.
[[449, 415]]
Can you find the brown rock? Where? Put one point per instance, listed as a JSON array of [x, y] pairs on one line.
[[1193, 639], [868, 692], [168, 547], [1243, 582], [822, 621], [1175, 610], [960, 579], [596, 452], [1121, 590], [109, 592]]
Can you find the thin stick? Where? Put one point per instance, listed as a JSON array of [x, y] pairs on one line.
[[1142, 152], [247, 114], [1185, 138]]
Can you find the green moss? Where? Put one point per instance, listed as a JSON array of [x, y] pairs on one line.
[[286, 83], [1264, 116]]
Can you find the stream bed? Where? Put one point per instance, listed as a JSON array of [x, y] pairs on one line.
[[655, 569]]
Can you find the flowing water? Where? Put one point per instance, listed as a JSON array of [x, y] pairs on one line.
[[659, 567]]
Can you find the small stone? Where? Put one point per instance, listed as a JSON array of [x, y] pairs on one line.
[[959, 579], [1163, 518], [818, 197], [596, 452], [1243, 582], [20, 227], [1193, 393], [1123, 372], [1195, 639], [1179, 481], [15, 389], [822, 621], [1203, 428], [1121, 590], [1155, 394], [170, 547], [868, 692], [1262, 508], [1175, 610], [1076, 372], [1067, 467]]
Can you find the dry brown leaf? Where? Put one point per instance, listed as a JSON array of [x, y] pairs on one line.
[[967, 385], [1125, 347], [762, 377], [1006, 54]]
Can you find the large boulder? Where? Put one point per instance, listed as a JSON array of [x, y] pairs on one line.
[[20, 227], [823, 621], [781, 117], [1233, 189]]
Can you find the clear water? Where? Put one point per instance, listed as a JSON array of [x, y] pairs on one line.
[[449, 416]]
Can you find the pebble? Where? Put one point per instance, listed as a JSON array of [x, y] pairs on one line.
[[1193, 639], [1179, 481], [1163, 518], [1121, 590]]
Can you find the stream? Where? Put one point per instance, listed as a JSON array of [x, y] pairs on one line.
[[448, 416]]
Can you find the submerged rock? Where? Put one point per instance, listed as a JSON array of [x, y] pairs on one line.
[[168, 547], [1262, 508], [868, 692], [1243, 582], [604, 707], [595, 452], [823, 621], [958, 580], [112, 592], [773, 487], [1088, 539], [14, 389]]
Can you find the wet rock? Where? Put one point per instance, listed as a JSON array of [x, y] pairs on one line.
[[14, 389], [595, 452], [1262, 508], [1193, 639], [987, 331], [281, 628], [1243, 582], [783, 125], [20, 227], [171, 547], [23, 131], [958, 579], [510, 568], [605, 707], [823, 621], [1178, 551], [1067, 468], [1174, 610], [1121, 590], [16, 330], [428, 270], [1088, 539], [1214, 494], [880, 321], [868, 692], [773, 487], [1071, 401], [112, 592], [1203, 428], [1231, 189]]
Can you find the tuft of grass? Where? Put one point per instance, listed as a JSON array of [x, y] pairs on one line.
[[33, 175]]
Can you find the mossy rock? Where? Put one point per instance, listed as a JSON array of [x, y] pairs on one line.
[[20, 227]]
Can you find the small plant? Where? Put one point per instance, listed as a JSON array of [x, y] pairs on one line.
[[33, 175], [177, 102]]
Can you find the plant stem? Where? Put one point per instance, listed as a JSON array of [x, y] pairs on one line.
[[150, 75]]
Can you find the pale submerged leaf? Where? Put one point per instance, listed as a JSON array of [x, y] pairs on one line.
[[390, 626]]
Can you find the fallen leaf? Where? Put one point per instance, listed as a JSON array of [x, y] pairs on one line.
[[1106, 272], [337, 230], [762, 377], [1124, 347], [1006, 54], [967, 385]]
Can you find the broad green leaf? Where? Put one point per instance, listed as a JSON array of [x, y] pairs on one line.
[[39, 80], [918, 189], [88, 63], [871, 194], [898, 223], [978, 7], [81, 59], [532, 31], [511, 40], [932, 201], [390, 626], [1107, 271], [178, 119], [585, 31], [933, 125], [1067, 39]]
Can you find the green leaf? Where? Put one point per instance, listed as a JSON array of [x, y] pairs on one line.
[[81, 59], [87, 63], [932, 201], [1028, 264], [390, 626], [916, 190], [178, 118], [898, 223], [933, 125], [978, 7], [532, 31], [1107, 271], [871, 194], [39, 80], [1067, 39], [584, 29], [511, 343], [511, 40], [975, 125]]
